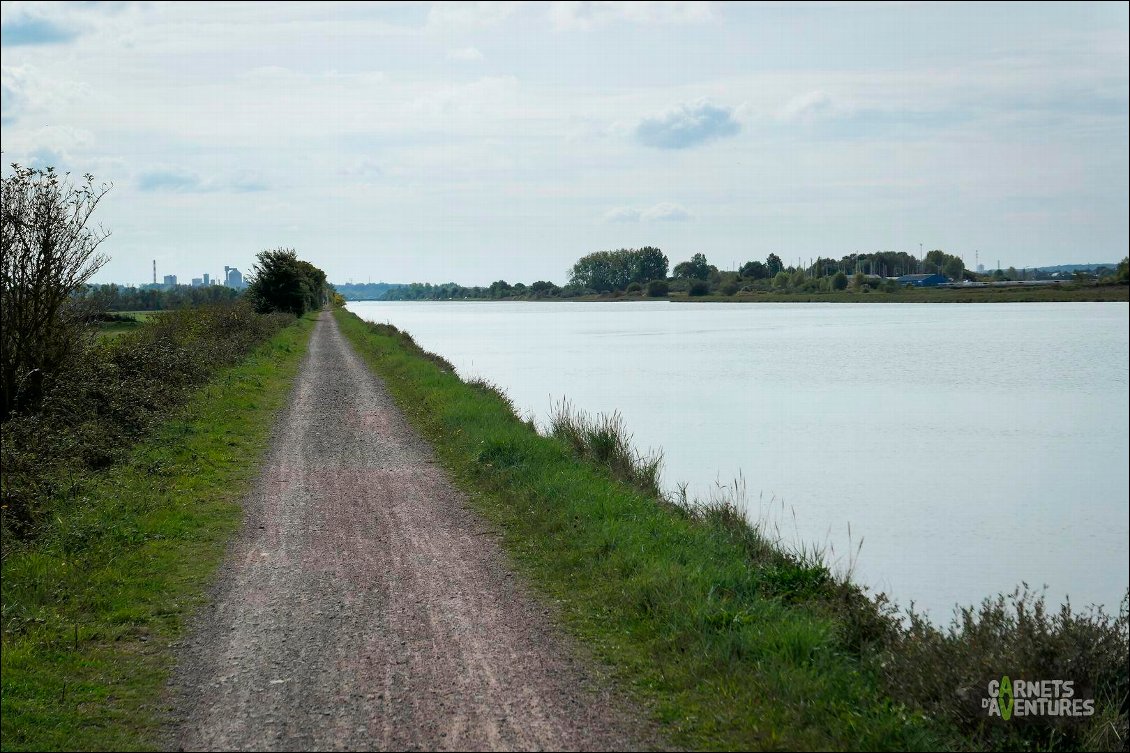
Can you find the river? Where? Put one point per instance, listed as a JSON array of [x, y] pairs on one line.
[[969, 447]]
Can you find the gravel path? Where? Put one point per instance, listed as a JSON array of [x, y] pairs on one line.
[[365, 607]]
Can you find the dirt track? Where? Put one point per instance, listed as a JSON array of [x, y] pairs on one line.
[[364, 607]]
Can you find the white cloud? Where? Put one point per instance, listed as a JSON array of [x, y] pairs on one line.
[[487, 97], [29, 90], [465, 55], [806, 106], [688, 125], [463, 15], [176, 179], [364, 170], [61, 147], [566, 16], [622, 214], [665, 211]]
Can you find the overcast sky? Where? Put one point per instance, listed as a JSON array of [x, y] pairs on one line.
[[472, 142]]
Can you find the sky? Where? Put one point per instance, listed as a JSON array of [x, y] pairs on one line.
[[473, 142]]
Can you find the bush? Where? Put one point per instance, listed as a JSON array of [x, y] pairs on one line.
[[657, 288], [698, 288], [283, 282], [946, 672], [110, 394], [729, 288], [634, 287], [839, 281], [47, 254]]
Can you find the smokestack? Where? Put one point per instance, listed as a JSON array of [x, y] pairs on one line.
[[154, 271]]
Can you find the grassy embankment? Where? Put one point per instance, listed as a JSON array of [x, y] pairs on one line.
[[734, 642], [93, 601]]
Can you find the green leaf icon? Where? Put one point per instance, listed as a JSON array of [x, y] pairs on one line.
[[1005, 698]]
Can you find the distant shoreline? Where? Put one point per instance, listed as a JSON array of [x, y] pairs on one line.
[[1050, 294]]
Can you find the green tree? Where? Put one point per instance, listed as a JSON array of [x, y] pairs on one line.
[[754, 270], [605, 271], [283, 282], [695, 269], [839, 281], [648, 263], [47, 253], [773, 265], [954, 268]]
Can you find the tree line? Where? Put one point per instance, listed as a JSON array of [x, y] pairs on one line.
[[647, 271], [644, 271], [113, 297]]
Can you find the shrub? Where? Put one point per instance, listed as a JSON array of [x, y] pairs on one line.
[[110, 394], [634, 287], [729, 288], [657, 288], [283, 282], [839, 281], [945, 672], [48, 252], [698, 288]]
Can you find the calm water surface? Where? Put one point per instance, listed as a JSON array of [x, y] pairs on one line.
[[970, 447]]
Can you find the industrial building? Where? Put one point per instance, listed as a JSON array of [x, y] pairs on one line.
[[233, 278], [922, 281]]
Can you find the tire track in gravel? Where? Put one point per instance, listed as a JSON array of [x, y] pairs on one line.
[[363, 606]]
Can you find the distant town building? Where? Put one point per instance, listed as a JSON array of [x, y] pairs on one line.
[[171, 280], [980, 269], [233, 278], [922, 281], [197, 282], [206, 280]]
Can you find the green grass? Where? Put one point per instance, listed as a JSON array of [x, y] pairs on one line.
[[125, 321], [726, 649], [91, 607]]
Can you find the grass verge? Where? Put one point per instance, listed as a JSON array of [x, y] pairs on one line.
[[729, 652], [91, 607]]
